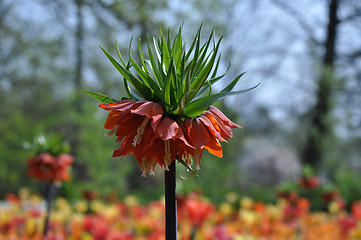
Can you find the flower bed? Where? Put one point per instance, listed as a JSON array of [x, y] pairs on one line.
[[22, 217]]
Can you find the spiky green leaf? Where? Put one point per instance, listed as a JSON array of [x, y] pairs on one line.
[[198, 106], [138, 84], [230, 86], [100, 97]]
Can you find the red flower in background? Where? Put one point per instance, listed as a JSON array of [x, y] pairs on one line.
[[295, 207], [288, 196], [97, 226], [356, 210], [309, 182], [155, 138], [195, 209], [49, 168], [90, 195], [330, 196], [346, 223], [9, 197]]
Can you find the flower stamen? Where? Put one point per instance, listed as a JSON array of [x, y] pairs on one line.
[[140, 131], [187, 158], [144, 167], [112, 131], [197, 158], [152, 166]]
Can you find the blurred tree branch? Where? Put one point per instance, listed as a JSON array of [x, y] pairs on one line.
[[308, 29], [351, 17]]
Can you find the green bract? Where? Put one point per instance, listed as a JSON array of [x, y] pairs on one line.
[[51, 143], [180, 79]]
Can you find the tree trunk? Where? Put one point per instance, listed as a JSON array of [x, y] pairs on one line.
[[78, 46], [321, 128]]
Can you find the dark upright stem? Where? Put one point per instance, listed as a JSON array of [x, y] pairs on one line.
[[170, 203], [49, 197]]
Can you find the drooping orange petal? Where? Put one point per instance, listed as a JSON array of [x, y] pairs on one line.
[[211, 126], [126, 147], [197, 133], [174, 148], [183, 142], [111, 120], [145, 145], [129, 125], [167, 128], [224, 129], [221, 116], [152, 110], [156, 151], [211, 119], [214, 148], [151, 147], [118, 106], [143, 108], [181, 146], [118, 111], [156, 116]]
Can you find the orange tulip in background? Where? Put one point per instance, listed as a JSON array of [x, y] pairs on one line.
[[199, 219]]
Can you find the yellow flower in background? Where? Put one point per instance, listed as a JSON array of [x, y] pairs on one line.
[[24, 194], [97, 206], [248, 217], [110, 212], [246, 203], [131, 200], [81, 206], [31, 226], [35, 198], [226, 209], [232, 197], [62, 204], [333, 207], [274, 212], [356, 232], [244, 237], [156, 213]]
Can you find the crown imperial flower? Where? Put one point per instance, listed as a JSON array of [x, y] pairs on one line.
[[168, 114], [50, 161], [49, 168]]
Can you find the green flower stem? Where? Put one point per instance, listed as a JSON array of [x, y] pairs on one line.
[[170, 203]]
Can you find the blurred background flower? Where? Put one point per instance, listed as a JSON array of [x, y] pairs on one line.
[[51, 162]]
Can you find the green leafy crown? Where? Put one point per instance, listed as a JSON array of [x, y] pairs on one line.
[[50, 143], [181, 80]]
